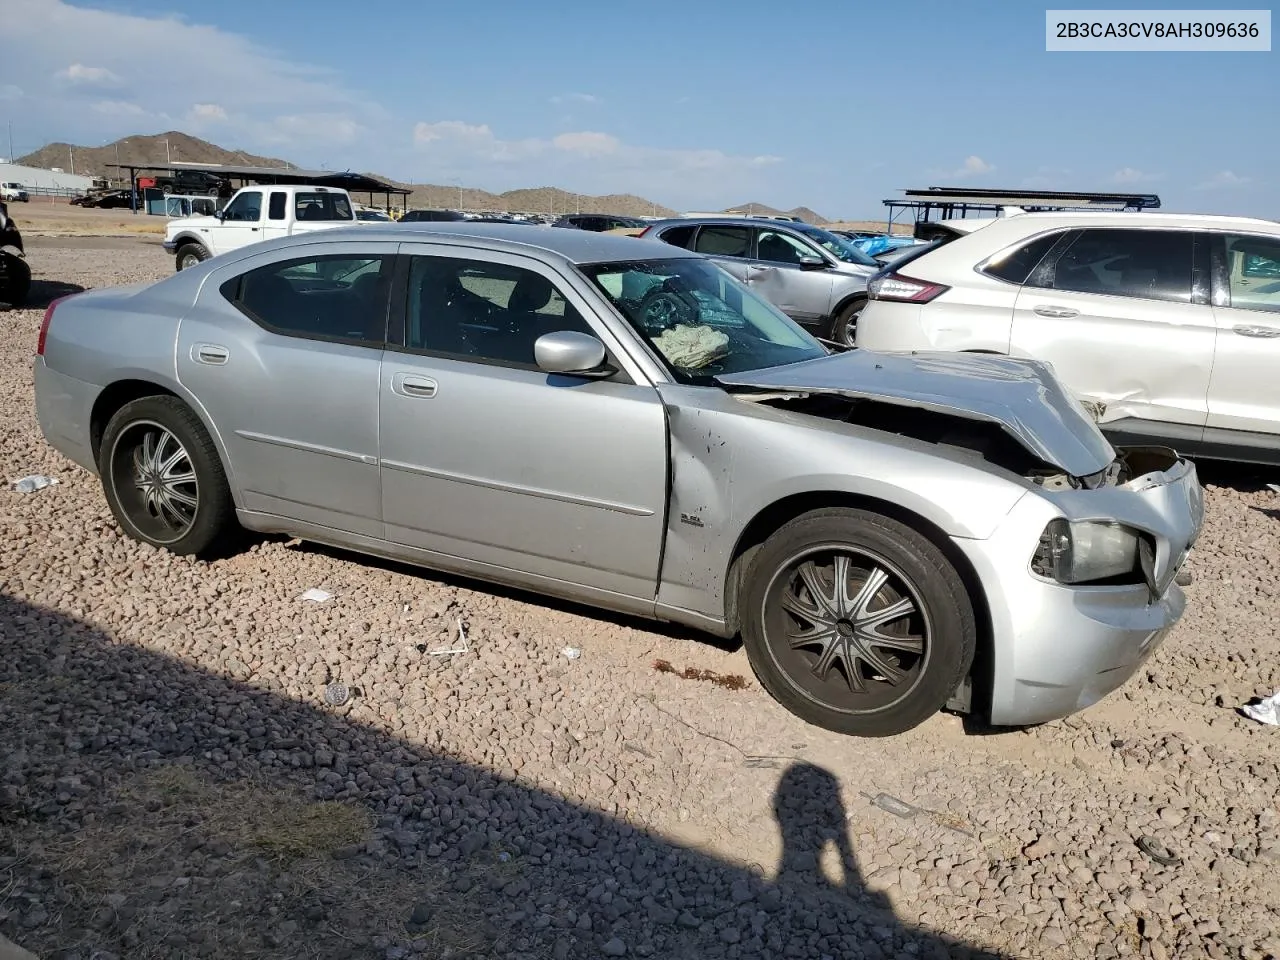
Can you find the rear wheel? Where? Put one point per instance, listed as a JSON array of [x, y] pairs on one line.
[[856, 623], [190, 254], [844, 328], [162, 477]]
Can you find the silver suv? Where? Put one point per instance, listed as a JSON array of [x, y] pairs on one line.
[[818, 279]]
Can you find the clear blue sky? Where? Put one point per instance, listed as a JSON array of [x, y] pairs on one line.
[[695, 105]]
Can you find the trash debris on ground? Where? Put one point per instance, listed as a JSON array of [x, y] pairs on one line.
[[336, 694], [504, 857], [571, 653], [728, 681], [890, 804], [770, 763], [34, 482], [461, 646], [1158, 852], [316, 595], [1266, 710], [1274, 487]]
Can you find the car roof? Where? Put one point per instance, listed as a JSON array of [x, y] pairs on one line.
[[575, 246], [735, 221], [1084, 218]]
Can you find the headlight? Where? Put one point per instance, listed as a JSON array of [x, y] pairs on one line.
[[1087, 552]]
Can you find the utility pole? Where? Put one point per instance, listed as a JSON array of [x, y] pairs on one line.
[[71, 152], [166, 150]]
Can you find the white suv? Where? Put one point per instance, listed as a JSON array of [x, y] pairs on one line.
[[1167, 327]]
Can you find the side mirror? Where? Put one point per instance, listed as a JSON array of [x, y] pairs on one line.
[[567, 351], [812, 263]]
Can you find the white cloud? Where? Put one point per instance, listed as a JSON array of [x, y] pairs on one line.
[[207, 112], [587, 143], [587, 98], [973, 166], [593, 159], [1047, 178], [1224, 179], [89, 76], [1130, 175], [118, 108]]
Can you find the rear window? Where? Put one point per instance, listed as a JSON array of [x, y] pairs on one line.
[[1017, 265], [322, 206]]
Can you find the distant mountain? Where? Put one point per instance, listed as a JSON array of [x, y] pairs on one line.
[[140, 149], [553, 200], [763, 209]]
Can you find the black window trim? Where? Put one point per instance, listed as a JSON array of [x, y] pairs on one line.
[[1051, 261], [231, 288], [398, 324]]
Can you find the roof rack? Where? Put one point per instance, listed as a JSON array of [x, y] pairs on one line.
[[949, 203]]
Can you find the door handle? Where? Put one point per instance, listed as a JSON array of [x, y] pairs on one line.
[[409, 385], [1246, 330], [210, 353], [1057, 313]]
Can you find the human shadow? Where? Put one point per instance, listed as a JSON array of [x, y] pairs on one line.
[[152, 808]]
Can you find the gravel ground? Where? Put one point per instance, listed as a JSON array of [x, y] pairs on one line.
[[173, 783]]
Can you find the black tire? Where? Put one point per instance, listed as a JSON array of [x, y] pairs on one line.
[[15, 280], [157, 512], [929, 645], [189, 254], [844, 326]]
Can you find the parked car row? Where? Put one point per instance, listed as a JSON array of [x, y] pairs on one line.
[[890, 534], [1166, 326]]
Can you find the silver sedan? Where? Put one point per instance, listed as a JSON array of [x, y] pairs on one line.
[[622, 423]]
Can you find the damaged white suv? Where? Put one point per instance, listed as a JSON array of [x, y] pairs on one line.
[[1167, 327]]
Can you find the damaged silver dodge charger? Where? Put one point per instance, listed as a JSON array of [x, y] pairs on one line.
[[618, 422]]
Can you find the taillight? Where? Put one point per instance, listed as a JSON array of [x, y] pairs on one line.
[[44, 325], [894, 286]]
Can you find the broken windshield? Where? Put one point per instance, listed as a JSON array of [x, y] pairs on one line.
[[699, 319]]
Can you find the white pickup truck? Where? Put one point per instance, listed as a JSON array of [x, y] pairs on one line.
[[254, 214]]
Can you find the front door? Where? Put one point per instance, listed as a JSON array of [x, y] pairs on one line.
[[1119, 318], [241, 223], [803, 294], [285, 358], [487, 458], [1244, 392]]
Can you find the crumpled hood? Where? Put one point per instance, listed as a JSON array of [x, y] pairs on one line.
[[1022, 396]]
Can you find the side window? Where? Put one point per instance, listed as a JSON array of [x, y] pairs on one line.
[[245, 208], [1148, 264], [1253, 272], [276, 210], [482, 311], [1016, 266], [678, 236], [782, 248], [321, 206], [723, 241], [324, 298]]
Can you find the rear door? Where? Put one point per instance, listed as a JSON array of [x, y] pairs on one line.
[[775, 272], [1122, 315], [727, 244], [1244, 391]]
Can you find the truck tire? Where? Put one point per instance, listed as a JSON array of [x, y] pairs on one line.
[[189, 254], [15, 280], [856, 622]]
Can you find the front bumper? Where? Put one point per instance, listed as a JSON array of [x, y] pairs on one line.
[[1057, 649], [170, 245]]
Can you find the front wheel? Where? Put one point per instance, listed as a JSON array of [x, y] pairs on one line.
[[856, 622], [190, 254], [162, 477], [844, 327]]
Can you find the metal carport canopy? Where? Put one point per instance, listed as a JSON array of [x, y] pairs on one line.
[[351, 182]]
